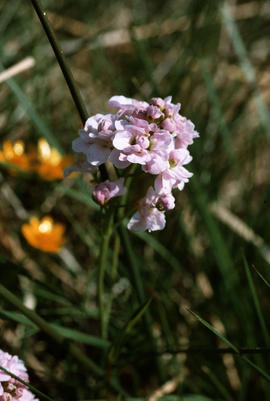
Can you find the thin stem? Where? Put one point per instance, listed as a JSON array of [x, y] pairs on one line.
[[35, 390], [101, 271], [113, 274], [138, 284], [221, 350], [73, 349], [116, 249], [59, 54], [137, 279], [61, 61]]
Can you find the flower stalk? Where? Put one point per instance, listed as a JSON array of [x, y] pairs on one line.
[[59, 54], [106, 235]]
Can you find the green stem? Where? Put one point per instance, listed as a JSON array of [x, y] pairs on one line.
[[101, 272], [73, 349], [135, 271], [113, 274], [138, 284], [59, 54], [116, 249], [61, 61], [35, 390]]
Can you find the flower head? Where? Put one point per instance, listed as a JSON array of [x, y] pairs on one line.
[[14, 154], [106, 190], [12, 389], [154, 136], [50, 163], [44, 234]]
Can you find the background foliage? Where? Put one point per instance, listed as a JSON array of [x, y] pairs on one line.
[[213, 57]]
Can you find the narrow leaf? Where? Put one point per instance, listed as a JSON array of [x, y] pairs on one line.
[[248, 361]]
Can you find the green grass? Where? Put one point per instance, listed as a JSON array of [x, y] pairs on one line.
[[215, 62]]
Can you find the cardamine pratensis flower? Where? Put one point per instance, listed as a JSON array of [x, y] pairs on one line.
[[44, 234], [14, 154], [50, 163], [153, 136], [11, 389], [106, 190], [151, 211]]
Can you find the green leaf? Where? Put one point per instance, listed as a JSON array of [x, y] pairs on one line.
[[256, 302], [17, 317], [32, 114], [81, 197], [234, 348], [66, 332], [84, 338], [261, 276], [249, 72]]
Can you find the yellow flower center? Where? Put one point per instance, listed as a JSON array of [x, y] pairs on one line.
[[45, 226], [48, 154], [18, 148], [173, 163], [44, 149]]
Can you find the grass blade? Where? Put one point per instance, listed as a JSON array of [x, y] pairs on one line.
[[236, 350], [35, 390], [256, 302], [32, 114], [246, 65]]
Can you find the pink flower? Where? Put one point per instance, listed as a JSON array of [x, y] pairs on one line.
[[127, 105], [166, 201], [95, 139], [176, 175], [154, 112], [151, 212], [158, 152], [168, 124], [106, 190], [185, 133], [133, 141], [158, 101], [155, 136], [145, 144], [10, 388], [27, 396]]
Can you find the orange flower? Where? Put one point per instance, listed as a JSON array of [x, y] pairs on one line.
[[51, 164], [13, 153], [44, 234]]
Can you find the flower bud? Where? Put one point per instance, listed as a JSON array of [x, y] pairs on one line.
[[167, 201], [106, 190], [168, 124], [154, 112], [157, 101]]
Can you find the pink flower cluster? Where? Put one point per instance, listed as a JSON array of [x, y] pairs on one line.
[[153, 135], [11, 389]]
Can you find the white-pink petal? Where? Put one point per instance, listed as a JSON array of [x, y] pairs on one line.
[[97, 155]]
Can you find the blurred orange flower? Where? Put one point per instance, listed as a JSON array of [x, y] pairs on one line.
[[13, 153], [50, 163], [44, 234]]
